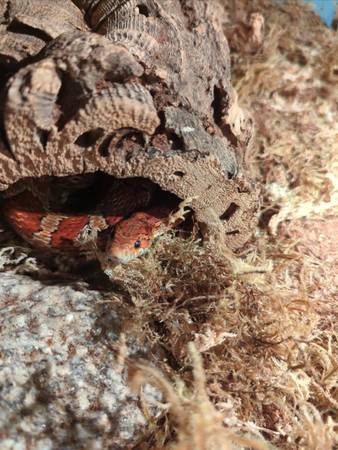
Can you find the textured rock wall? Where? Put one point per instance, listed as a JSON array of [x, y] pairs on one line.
[[145, 93]]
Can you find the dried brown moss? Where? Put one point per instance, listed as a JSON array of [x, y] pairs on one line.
[[268, 341], [269, 365]]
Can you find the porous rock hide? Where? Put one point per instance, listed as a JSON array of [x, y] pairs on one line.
[[132, 89]]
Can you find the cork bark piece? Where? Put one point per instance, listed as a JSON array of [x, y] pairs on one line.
[[36, 15], [147, 94], [26, 27]]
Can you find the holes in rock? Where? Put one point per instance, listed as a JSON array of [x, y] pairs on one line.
[[43, 136], [179, 173], [21, 28], [143, 10], [104, 146], [230, 233], [229, 212], [232, 174], [266, 216], [134, 136], [89, 138], [217, 105], [3, 137], [124, 140], [176, 143]]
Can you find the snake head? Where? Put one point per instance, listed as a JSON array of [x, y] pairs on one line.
[[125, 254], [134, 236], [121, 252]]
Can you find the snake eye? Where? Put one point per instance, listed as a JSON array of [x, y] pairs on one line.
[[137, 244]]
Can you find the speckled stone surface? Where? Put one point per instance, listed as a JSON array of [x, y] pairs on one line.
[[60, 385]]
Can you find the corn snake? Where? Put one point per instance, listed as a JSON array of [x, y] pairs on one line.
[[124, 217]]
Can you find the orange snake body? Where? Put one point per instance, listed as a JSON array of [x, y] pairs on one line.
[[130, 235]]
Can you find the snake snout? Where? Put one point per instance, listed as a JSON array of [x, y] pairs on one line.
[[123, 256]]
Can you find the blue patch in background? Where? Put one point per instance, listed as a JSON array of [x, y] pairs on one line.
[[325, 8]]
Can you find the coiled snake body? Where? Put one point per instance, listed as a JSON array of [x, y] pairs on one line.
[[123, 212]]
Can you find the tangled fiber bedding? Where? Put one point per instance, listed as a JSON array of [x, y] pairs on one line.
[[245, 346], [267, 336]]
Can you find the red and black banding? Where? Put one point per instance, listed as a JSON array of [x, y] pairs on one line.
[[25, 223], [50, 230], [57, 231], [41, 229], [24, 215], [68, 229]]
